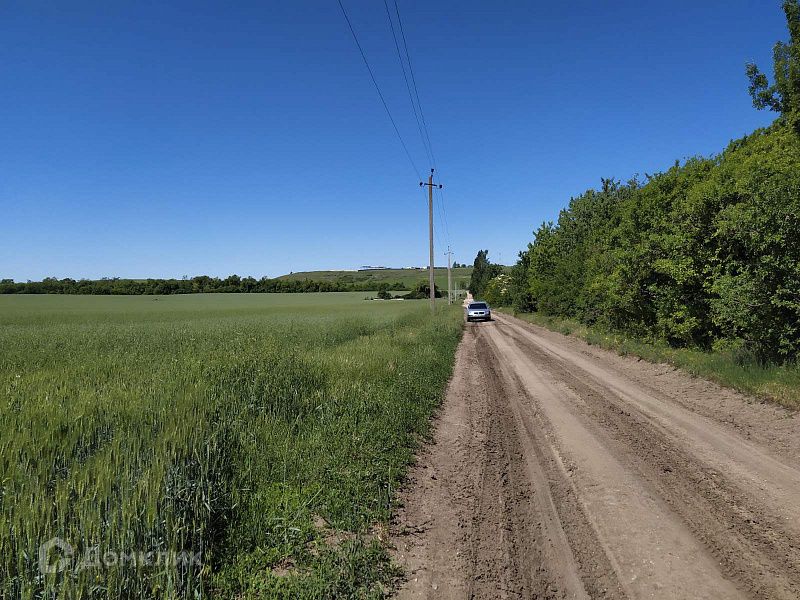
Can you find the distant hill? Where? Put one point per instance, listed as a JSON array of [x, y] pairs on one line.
[[406, 277]]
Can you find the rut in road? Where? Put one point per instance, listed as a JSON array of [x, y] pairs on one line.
[[559, 470]]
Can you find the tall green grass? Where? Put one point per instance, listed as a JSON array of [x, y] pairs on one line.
[[773, 383], [267, 433]]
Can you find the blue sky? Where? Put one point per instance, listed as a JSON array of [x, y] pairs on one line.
[[169, 139]]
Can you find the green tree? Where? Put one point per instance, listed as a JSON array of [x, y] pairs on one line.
[[482, 272], [421, 291], [783, 94], [498, 290], [383, 291]]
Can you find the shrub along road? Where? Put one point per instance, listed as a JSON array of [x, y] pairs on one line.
[[562, 470]]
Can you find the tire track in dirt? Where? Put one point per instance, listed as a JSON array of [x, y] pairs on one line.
[[646, 543], [557, 471], [754, 542], [575, 556], [503, 549], [777, 477], [479, 519]]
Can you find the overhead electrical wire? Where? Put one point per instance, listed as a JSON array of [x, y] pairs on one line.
[[378, 89], [429, 146], [414, 81], [444, 214], [419, 115], [422, 135]]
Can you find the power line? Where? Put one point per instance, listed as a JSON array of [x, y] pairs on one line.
[[442, 209], [444, 214], [425, 144], [441, 215], [414, 81], [378, 89], [419, 115]]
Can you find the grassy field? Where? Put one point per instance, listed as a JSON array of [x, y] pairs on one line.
[[267, 432], [407, 277], [779, 384]]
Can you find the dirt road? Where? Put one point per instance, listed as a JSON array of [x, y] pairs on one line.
[[560, 470]]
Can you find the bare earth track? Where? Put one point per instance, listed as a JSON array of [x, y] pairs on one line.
[[560, 470]]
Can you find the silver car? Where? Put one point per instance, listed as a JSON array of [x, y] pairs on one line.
[[478, 311]]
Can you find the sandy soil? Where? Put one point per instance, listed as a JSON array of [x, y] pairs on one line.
[[561, 470]]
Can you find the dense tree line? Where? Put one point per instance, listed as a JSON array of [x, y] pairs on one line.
[[706, 254], [195, 285]]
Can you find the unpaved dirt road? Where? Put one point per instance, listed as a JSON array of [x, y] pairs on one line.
[[560, 470]]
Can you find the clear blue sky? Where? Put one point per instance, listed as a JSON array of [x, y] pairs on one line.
[[177, 138]]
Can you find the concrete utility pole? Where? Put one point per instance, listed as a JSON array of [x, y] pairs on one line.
[[449, 277], [431, 185]]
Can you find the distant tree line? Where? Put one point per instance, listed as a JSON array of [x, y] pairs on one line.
[[196, 285], [704, 255]]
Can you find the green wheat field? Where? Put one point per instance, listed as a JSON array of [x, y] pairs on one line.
[[266, 432]]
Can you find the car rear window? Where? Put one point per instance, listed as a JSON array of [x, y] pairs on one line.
[[478, 305]]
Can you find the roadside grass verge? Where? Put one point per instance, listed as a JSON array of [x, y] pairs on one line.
[[772, 383], [267, 433]]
